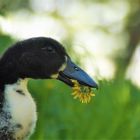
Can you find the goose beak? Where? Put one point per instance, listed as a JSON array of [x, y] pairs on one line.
[[73, 72]]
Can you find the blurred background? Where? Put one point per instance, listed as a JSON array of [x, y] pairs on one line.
[[103, 37]]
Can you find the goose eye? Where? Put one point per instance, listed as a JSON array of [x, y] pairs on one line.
[[49, 49]]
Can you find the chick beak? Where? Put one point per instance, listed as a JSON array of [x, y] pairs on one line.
[[73, 72]]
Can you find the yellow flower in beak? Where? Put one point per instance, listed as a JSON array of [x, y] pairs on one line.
[[83, 93]]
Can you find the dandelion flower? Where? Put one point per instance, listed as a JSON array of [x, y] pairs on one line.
[[83, 93]]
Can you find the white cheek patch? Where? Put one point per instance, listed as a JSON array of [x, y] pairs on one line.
[[54, 76], [62, 67]]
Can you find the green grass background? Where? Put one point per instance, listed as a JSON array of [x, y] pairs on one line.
[[114, 113]]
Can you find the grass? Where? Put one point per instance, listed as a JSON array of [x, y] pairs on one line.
[[112, 114]]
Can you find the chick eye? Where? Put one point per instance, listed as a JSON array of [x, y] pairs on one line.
[[49, 49]]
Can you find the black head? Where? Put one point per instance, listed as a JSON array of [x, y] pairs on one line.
[[40, 58]]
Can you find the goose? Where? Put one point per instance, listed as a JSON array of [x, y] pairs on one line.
[[36, 58]]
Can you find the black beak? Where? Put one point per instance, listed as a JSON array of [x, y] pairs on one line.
[[72, 71]]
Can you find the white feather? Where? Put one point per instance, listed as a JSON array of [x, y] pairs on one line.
[[21, 107]]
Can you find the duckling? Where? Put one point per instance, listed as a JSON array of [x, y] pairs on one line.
[[36, 58]]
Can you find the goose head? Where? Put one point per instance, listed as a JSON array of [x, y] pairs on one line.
[[41, 58]]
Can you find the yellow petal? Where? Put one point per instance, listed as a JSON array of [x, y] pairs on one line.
[[83, 93]]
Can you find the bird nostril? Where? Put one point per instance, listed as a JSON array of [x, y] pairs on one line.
[[76, 68]]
